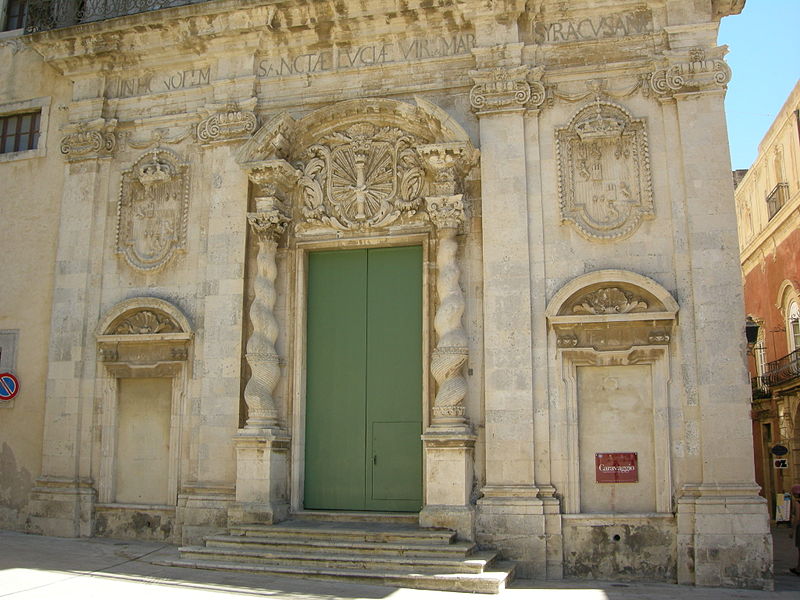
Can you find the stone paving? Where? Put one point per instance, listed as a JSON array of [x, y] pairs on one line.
[[38, 567]]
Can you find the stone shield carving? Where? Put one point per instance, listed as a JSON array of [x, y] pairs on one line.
[[360, 178], [152, 210], [605, 187]]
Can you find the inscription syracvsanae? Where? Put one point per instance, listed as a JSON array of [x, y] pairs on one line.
[[338, 58], [593, 28]]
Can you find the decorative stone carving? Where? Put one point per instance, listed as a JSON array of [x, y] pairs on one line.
[[90, 140], [446, 164], [227, 125], [501, 88], [268, 223], [605, 187], [695, 70], [659, 336], [106, 354], [157, 137], [152, 210], [146, 322], [567, 340], [609, 301], [360, 178]]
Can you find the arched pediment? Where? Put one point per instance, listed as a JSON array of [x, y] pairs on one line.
[[284, 137], [143, 316], [611, 310]]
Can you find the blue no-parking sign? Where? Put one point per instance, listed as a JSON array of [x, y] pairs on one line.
[[9, 386]]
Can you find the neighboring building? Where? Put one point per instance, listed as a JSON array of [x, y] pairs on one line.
[[469, 262], [768, 207]]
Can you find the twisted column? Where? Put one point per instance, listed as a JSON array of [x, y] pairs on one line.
[[450, 355], [262, 357]]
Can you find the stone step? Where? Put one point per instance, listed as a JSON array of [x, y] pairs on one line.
[[347, 546], [356, 517], [381, 532], [475, 563], [487, 582]]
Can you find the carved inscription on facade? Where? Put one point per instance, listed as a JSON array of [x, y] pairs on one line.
[[152, 210], [155, 83], [361, 177], [605, 186], [596, 27], [339, 58]]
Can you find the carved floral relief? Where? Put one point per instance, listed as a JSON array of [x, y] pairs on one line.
[[152, 210], [146, 322], [605, 187], [361, 177]]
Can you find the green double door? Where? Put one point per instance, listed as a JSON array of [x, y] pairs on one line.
[[364, 380]]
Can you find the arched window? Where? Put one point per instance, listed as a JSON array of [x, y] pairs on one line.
[[793, 326]]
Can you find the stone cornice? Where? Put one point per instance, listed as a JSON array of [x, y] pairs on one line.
[[785, 222]]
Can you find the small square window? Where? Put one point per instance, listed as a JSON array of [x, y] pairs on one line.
[[19, 132]]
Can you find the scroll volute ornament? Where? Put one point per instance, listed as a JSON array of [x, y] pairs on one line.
[[691, 71], [89, 140]]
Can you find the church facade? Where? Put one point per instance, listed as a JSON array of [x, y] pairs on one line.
[[475, 261]]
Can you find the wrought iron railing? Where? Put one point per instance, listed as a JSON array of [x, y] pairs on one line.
[[781, 371], [777, 198], [44, 15]]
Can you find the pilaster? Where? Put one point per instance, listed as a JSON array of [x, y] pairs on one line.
[[62, 500], [723, 529]]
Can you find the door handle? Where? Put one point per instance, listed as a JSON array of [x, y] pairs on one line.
[[374, 459]]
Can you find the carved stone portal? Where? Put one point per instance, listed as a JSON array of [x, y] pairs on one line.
[[152, 210], [605, 187]]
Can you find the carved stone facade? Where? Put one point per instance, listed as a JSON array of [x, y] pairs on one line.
[[539, 163]]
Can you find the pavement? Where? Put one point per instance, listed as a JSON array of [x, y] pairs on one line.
[[39, 567]]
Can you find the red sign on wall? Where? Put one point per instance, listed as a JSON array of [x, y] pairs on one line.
[[616, 467]]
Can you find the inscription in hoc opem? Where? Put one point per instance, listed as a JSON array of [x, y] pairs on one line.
[[149, 83], [340, 58], [598, 27]]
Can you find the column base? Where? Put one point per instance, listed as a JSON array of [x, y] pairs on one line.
[[724, 537], [262, 477], [460, 519], [516, 521], [61, 507]]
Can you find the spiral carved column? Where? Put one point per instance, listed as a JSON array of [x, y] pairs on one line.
[[450, 355], [262, 357]]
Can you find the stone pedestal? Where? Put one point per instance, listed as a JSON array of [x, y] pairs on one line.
[[449, 464], [262, 477], [61, 507]]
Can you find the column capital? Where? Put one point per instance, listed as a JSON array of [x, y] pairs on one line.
[[446, 212], [89, 140], [504, 88], [446, 164], [690, 71]]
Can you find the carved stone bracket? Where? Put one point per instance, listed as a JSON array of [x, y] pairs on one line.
[[695, 70], [89, 140], [228, 124], [152, 210], [499, 89], [446, 165]]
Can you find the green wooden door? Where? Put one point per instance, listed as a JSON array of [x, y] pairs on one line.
[[364, 380]]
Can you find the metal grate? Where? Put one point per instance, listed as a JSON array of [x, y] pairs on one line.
[[44, 15]]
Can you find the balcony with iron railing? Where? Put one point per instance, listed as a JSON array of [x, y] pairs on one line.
[[785, 370], [777, 198], [44, 15]]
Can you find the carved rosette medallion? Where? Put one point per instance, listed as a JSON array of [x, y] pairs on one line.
[[609, 301], [152, 210], [86, 144], [502, 88], [605, 187], [360, 178], [225, 126], [697, 70]]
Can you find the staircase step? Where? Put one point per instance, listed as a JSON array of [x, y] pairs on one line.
[[347, 530], [357, 517], [487, 582], [337, 546], [475, 563]]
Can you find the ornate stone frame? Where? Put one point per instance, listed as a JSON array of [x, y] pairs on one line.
[[159, 348], [591, 325], [423, 157]]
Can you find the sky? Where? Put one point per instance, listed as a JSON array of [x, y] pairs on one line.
[[764, 44]]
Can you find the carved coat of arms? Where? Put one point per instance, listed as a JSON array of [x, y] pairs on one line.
[[360, 178], [604, 172], [152, 210]]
